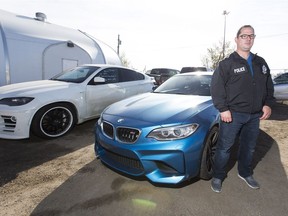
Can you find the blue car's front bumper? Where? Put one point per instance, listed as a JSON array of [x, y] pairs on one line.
[[168, 162]]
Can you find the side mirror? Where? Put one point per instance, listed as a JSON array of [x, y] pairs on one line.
[[99, 80], [154, 88]]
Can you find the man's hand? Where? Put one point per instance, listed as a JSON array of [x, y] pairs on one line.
[[226, 116], [266, 112]]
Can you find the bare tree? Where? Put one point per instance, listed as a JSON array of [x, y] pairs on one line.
[[215, 54], [124, 60]]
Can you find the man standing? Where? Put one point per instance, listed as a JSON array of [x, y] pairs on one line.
[[242, 91]]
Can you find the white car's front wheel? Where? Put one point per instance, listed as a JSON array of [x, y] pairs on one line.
[[53, 121]]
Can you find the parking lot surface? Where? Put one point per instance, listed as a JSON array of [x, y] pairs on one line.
[[63, 177]]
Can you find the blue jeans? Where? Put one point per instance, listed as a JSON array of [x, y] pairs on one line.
[[247, 126]]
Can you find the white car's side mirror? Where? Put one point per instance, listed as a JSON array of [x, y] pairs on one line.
[[99, 80]]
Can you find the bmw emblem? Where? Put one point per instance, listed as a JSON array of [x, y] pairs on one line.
[[120, 120]]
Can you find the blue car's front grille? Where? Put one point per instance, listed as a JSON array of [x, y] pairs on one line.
[[124, 134], [127, 135], [125, 161], [108, 130]]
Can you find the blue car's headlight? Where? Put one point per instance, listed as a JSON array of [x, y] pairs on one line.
[[16, 101], [173, 133]]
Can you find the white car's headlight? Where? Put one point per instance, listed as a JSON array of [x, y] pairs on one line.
[[173, 133], [16, 101]]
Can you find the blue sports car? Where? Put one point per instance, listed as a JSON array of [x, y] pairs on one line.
[[168, 135]]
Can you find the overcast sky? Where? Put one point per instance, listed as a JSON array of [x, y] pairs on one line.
[[169, 33]]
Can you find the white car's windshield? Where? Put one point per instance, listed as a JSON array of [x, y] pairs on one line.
[[76, 75], [187, 85]]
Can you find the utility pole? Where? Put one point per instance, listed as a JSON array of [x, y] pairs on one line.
[[119, 43], [225, 13]]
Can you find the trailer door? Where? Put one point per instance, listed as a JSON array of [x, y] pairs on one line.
[[62, 56]]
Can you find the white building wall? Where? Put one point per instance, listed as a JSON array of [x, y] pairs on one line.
[[39, 50]]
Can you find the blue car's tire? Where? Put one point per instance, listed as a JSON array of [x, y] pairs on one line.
[[208, 154]]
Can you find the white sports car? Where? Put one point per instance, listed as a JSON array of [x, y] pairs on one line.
[[50, 108]]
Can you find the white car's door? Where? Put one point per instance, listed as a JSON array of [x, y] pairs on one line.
[[100, 95], [119, 83], [134, 83]]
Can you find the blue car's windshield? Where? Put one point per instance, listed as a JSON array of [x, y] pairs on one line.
[[75, 75], [187, 85]]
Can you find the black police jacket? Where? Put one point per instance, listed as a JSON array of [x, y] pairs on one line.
[[234, 88]]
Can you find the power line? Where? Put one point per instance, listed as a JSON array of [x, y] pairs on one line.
[[274, 35]]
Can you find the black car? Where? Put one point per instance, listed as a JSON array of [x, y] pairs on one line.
[[162, 74]]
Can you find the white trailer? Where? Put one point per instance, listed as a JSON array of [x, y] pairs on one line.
[[34, 49]]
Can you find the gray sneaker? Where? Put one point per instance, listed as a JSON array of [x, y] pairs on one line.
[[216, 185], [250, 181]]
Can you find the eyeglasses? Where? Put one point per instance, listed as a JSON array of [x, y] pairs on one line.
[[245, 36]]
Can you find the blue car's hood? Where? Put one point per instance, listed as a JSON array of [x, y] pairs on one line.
[[157, 107]]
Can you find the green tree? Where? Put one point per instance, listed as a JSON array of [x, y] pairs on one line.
[[215, 54]]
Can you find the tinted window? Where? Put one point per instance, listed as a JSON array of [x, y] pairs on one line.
[[187, 85], [172, 72], [192, 69], [77, 75], [160, 71], [281, 79], [156, 71], [127, 75], [111, 75]]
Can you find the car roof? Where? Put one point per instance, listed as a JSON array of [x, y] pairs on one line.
[[281, 74], [196, 73], [192, 69], [104, 65], [164, 69], [107, 66]]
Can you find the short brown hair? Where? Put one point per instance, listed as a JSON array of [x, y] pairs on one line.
[[245, 26]]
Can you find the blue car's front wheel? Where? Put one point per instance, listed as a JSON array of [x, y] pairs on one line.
[[208, 154]]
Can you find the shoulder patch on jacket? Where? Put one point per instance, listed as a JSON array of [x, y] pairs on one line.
[[264, 69]]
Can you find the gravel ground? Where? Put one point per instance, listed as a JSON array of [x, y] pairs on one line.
[[32, 169]]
